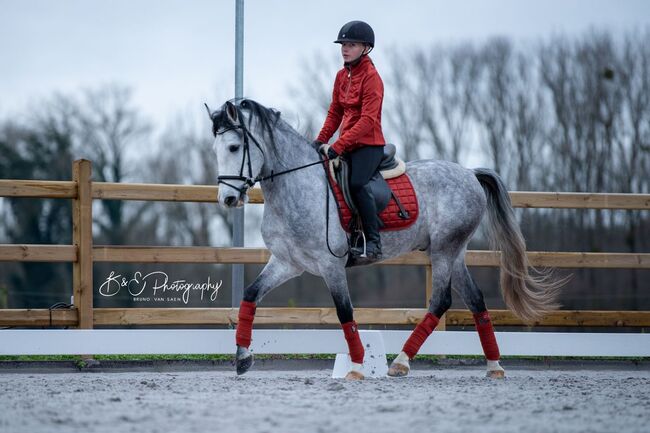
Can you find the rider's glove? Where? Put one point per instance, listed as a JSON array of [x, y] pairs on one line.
[[331, 153]]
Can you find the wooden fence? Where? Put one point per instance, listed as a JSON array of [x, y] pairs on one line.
[[82, 253]]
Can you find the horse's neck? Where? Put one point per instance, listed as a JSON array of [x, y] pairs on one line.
[[291, 188], [292, 148]]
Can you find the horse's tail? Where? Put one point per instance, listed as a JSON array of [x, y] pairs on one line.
[[529, 297]]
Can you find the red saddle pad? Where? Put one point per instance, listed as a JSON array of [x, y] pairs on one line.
[[404, 191]]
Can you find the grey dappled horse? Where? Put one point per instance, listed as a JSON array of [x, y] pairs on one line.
[[253, 143]]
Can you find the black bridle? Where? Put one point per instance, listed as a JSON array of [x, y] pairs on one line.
[[249, 181]]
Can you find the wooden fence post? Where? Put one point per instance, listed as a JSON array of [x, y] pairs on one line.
[[82, 239]]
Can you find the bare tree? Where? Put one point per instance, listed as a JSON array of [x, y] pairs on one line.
[[109, 126], [403, 93], [186, 157], [38, 146], [313, 94]]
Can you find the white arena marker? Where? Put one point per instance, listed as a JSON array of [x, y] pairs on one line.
[[374, 360]]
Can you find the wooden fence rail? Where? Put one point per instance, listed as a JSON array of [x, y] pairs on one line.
[[208, 194], [82, 254], [155, 254], [310, 316]]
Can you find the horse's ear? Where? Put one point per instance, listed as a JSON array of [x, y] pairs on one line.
[[231, 111], [209, 111]]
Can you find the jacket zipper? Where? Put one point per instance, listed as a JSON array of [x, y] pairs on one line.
[[349, 84], [347, 90]]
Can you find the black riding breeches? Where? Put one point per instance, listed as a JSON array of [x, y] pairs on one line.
[[364, 162]]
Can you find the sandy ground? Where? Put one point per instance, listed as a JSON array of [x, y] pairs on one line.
[[449, 400]]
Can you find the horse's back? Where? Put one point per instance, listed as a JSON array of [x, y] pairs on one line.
[[448, 193], [440, 174]]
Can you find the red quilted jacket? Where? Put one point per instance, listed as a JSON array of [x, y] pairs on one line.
[[356, 107]]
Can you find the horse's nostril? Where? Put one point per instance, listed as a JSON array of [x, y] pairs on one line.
[[230, 200]]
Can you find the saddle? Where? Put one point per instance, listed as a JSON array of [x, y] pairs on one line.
[[397, 205]]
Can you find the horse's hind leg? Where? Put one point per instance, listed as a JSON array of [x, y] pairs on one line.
[[274, 273], [337, 283], [438, 304], [464, 284]]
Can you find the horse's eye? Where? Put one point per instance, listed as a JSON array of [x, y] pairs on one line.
[[233, 148]]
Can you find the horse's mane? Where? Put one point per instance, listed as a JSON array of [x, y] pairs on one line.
[[269, 119]]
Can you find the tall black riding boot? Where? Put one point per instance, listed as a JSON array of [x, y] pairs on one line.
[[368, 211], [364, 162], [373, 244]]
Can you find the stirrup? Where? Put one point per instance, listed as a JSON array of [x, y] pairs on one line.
[[363, 254]]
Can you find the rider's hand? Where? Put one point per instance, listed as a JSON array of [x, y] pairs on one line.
[[316, 144], [331, 153]]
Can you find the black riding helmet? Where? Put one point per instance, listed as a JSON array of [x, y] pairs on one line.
[[356, 31]]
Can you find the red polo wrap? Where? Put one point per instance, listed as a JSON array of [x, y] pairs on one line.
[[355, 346], [486, 334], [245, 323], [420, 334]]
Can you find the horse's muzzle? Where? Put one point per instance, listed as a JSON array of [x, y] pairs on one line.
[[234, 201]]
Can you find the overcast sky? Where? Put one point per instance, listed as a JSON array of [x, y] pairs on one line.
[[175, 54]]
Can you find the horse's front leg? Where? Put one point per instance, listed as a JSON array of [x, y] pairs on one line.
[[274, 273], [337, 283]]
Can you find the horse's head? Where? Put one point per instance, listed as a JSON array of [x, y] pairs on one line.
[[242, 132]]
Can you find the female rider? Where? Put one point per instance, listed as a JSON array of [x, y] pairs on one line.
[[356, 107]]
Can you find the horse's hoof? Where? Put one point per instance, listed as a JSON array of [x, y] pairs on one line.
[[354, 375], [243, 365], [398, 370], [244, 360], [496, 374]]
